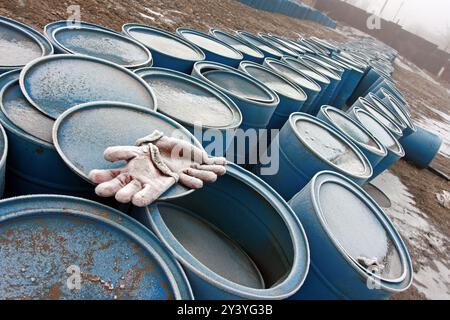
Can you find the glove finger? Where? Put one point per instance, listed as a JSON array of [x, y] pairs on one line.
[[100, 176], [152, 192], [125, 194], [217, 169], [206, 176], [109, 188], [215, 160], [113, 154], [190, 182]]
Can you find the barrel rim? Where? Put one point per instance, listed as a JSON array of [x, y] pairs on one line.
[[391, 116], [311, 62], [242, 34], [381, 151], [368, 170], [288, 43], [270, 61], [4, 153], [213, 32], [239, 56], [28, 34], [31, 30], [394, 101], [11, 126], [102, 104], [388, 284], [299, 243], [215, 66], [129, 26], [324, 79], [37, 62], [148, 61], [244, 64], [171, 267], [149, 71], [400, 151], [280, 47]]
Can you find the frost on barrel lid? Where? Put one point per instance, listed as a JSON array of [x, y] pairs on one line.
[[361, 229], [275, 82], [23, 115], [163, 42], [352, 129], [239, 86], [331, 147], [102, 44], [82, 134], [116, 257], [189, 100], [56, 83]]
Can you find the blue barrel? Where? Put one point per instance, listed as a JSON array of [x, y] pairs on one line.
[[82, 133], [421, 147], [3, 155], [33, 165], [395, 150], [364, 104], [277, 45], [255, 100], [56, 83], [372, 148], [168, 50], [292, 97], [211, 116], [346, 229], [335, 80], [263, 46], [250, 246], [308, 145], [383, 108], [383, 94], [308, 70], [312, 89], [103, 44], [65, 240], [20, 45], [366, 82], [250, 52], [393, 105], [214, 49]]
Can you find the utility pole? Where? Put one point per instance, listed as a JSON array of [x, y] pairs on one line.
[[384, 7], [398, 11]]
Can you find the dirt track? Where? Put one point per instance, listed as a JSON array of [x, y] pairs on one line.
[[203, 14]]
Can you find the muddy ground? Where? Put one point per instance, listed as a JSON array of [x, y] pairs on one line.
[[423, 223]]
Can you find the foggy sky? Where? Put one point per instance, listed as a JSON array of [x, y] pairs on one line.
[[428, 18]]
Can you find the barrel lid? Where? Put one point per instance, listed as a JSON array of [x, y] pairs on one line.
[[333, 64], [47, 45], [82, 134], [190, 100], [317, 66], [359, 228], [384, 109], [324, 43], [23, 115], [292, 74], [266, 195], [116, 256], [237, 43], [56, 83], [277, 83], [355, 65], [354, 130], [102, 44], [329, 145], [279, 46], [376, 127], [290, 44], [17, 46], [381, 117], [209, 43], [163, 42], [306, 69], [400, 111], [259, 43]]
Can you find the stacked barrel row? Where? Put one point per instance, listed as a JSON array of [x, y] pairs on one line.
[[289, 233], [292, 8]]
